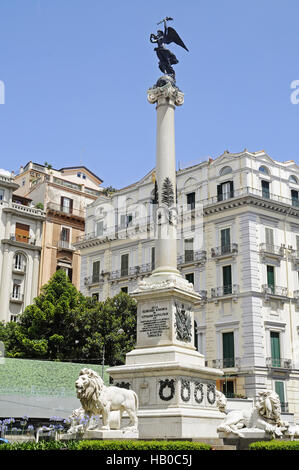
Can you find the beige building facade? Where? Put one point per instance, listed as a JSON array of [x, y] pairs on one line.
[[64, 195]]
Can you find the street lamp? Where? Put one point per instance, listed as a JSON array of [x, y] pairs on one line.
[[119, 332]]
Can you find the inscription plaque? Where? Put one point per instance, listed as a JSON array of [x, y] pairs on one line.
[[154, 322]]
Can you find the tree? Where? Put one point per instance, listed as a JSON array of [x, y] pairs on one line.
[[62, 324]]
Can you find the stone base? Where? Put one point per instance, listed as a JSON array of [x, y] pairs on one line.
[[245, 438], [179, 423]]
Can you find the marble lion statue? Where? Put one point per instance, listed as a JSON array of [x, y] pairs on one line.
[[97, 399], [266, 416]]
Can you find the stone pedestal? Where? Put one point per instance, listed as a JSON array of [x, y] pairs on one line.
[[177, 393]]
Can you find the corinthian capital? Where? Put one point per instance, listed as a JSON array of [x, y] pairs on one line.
[[166, 91]]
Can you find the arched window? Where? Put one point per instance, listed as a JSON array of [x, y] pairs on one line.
[[264, 169], [225, 170], [293, 179], [19, 262]]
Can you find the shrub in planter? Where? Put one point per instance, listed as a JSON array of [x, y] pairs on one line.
[[274, 445]]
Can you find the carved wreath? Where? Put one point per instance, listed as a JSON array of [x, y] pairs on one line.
[[211, 394], [185, 387], [167, 383], [198, 392]]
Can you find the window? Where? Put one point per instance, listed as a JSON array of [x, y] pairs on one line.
[[68, 271], [293, 179], [124, 289], [99, 229], [22, 233], [295, 198], [84, 176], [95, 296], [19, 263], [96, 271], [191, 201], [225, 241], [275, 348], [228, 349], [65, 234], [79, 175], [190, 277], [16, 289], [266, 189], [227, 279], [153, 258], [66, 205], [225, 191], [225, 171], [264, 169], [269, 235], [189, 253], [228, 388], [279, 389], [124, 265], [1, 194], [126, 220], [271, 278]]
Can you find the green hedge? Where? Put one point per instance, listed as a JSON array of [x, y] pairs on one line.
[[107, 445], [274, 445]]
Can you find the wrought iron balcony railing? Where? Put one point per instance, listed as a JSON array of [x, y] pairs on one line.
[[65, 210], [65, 245], [272, 249], [224, 250], [272, 290], [225, 291], [279, 363], [226, 363]]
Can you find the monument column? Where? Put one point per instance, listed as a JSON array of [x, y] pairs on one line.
[[177, 393], [167, 98]]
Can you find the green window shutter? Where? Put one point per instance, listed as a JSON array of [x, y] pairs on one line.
[[271, 277], [124, 265], [96, 271], [225, 240], [153, 258], [275, 348], [228, 349], [279, 389], [227, 279]]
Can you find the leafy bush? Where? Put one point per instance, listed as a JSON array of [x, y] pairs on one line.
[[274, 445], [107, 445]]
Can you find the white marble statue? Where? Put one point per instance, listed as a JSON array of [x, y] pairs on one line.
[[266, 416], [221, 401], [97, 399]]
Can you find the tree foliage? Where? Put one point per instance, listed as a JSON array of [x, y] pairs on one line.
[[62, 324]]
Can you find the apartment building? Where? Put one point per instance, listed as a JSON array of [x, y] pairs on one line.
[[238, 244], [20, 250], [64, 195]]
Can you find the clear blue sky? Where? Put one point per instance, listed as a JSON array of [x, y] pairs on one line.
[[76, 74]]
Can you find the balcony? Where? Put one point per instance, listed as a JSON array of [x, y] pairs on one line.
[[274, 292], [65, 245], [192, 257], [223, 292], [16, 297], [19, 268], [272, 251], [278, 363], [65, 211], [295, 256], [226, 363], [93, 279], [224, 251]]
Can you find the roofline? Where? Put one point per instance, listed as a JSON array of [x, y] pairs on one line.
[[81, 166]]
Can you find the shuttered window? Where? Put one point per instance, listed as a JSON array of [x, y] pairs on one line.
[[189, 253], [275, 348], [266, 189], [191, 201], [124, 265], [96, 271], [22, 232], [271, 278], [225, 240], [228, 349], [269, 235], [227, 279]]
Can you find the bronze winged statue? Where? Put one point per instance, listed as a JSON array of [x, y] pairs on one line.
[[165, 56]]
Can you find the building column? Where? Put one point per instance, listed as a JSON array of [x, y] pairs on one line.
[[5, 285]]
